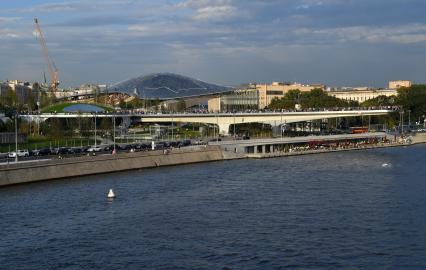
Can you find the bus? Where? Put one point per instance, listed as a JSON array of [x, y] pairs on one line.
[[358, 130]]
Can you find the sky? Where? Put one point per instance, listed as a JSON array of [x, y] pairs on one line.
[[228, 42]]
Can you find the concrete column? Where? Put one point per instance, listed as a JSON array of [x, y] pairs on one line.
[[263, 149], [255, 149], [224, 129], [276, 130]]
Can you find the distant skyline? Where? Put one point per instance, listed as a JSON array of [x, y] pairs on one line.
[[228, 42]]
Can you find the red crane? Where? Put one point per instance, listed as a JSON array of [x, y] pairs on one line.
[[53, 71]]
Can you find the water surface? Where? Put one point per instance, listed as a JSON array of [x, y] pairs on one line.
[[327, 211]]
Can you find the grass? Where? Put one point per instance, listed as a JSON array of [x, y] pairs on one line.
[[59, 107]]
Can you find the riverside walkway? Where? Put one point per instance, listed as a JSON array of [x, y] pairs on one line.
[[277, 146]]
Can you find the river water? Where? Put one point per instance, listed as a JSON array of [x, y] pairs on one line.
[[356, 210]]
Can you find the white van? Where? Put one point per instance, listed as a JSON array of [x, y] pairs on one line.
[[21, 153]]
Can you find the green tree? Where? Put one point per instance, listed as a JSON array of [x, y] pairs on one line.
[[315, 98], [379, 101], [105, 124], [414, 99], [11, 98], [55, 129], [181, 106]]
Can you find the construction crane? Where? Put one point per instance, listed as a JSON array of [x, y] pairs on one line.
[[53, 70]]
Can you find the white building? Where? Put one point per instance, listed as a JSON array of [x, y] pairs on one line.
[[361, 95]]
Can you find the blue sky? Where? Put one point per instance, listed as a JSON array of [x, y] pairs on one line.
[[336, 42]]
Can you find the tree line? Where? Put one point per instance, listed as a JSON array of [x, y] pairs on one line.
[[409, 99], [316, 98]]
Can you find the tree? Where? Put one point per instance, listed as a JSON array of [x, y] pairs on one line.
[[55, 129], [315, 98], [414, 99], [181, 106], [379, 101], [11, 98], [105, 124]]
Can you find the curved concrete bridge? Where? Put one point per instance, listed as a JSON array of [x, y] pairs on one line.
[[224, 120]]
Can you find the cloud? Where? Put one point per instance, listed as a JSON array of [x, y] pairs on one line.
[[55, 7], [182, 30], [215, 13], [402, 34], [97, 21], [7, 20], [209, 10], [9, 34], [73, 6], [203, 3], [151, 35]]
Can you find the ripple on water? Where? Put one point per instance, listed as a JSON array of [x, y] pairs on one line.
[[331, 211]]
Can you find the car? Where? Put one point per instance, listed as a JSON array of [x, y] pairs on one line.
[[186, 143], [54, 151], [160, 146], [108, 148], [64, 151], [145, 146], [75, 150], [41, 152], [84, 149], [94, 149], [20, 153], [117, 147], [137, 146], [127, 147], [198, 142]]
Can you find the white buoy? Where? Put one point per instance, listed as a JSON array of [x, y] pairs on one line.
[[111, 194], [385, 165]]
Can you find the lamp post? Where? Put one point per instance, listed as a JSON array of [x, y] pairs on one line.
[[234, 128], [369, 123], [16, 137], [401, 121], [113, 136], [409, 118], [214, 131], [218, 129], [95, 131]]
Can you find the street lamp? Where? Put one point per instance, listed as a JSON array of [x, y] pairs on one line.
[[401, 121], [218, 129], [95, 130], [409, 118], [114, 131], [16, 137], [234, 128]]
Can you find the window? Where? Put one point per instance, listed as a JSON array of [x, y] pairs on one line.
[[274, 93]]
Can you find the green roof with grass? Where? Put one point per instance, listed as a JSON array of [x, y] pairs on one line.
[[59, 108]]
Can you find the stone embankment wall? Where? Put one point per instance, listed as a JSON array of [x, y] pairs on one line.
[[53, 169], [419, 138]]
